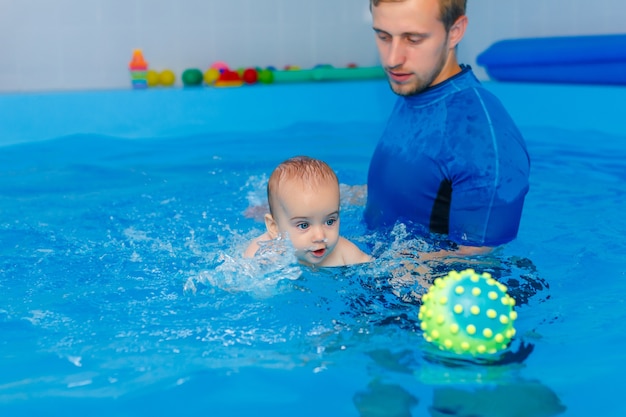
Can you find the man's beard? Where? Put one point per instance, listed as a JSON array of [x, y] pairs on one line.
[[422, 83]]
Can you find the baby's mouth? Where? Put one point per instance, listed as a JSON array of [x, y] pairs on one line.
[[319, 253]]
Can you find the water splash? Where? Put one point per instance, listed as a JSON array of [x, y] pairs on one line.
[[274, 262]]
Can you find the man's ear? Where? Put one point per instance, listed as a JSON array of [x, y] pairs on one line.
[[457, 31], [271, 226]]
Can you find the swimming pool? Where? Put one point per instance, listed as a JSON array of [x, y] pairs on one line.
[[122, 292]]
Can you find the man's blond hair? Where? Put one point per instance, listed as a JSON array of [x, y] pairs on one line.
[[449, 10]]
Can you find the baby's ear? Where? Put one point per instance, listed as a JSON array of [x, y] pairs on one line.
[[271, 226]]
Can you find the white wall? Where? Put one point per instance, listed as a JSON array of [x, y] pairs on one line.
[[87, 44]]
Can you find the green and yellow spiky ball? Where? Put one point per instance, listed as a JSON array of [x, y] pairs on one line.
[[468, 313]]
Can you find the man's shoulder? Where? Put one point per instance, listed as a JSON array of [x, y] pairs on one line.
[[476, 93], [478, 104]]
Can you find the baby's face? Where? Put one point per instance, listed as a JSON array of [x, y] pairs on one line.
[[309, 216]]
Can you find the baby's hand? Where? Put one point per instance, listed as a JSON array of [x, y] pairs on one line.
[[353, 195], [256, 212]]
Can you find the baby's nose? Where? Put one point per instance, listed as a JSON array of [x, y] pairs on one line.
[[318, 234]]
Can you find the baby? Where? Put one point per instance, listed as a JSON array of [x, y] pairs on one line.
[[303, 197]]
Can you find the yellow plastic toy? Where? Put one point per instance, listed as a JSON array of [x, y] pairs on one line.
[[167, 78], [211, 75], [153, 78]]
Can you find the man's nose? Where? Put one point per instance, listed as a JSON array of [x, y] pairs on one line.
[[396, 54]]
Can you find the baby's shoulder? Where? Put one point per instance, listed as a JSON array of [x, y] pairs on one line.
[[253, 246], [351, 253]]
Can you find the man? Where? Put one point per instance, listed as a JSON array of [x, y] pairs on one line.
[[451, 160]]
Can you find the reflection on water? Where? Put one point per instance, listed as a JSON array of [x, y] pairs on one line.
[[516, 399], [463, 389], [384, 400]]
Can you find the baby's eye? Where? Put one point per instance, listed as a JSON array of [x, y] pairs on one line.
[[302, 226], [330, 222]]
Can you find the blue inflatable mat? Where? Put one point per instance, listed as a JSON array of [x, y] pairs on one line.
[[597, 59]]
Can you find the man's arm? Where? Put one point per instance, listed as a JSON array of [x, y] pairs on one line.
[[462, 252]]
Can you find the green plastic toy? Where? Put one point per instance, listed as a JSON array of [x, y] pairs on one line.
[[192, 77], [468, 313]]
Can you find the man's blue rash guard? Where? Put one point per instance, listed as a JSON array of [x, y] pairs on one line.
[[452, 160]]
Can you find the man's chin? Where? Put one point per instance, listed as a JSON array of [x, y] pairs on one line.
[[402, 89]]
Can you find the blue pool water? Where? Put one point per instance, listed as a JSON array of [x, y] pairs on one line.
[[122, 290]]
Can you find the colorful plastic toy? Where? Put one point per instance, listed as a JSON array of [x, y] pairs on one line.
[[229, 78], [138, 70], [266, 76], [152, 77], [167, 78], [219, 75], [211, 75], [250, 76], [468, 313], [220, 66], [192, 77]]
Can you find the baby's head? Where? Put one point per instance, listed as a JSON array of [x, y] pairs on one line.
[[303, 196]]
